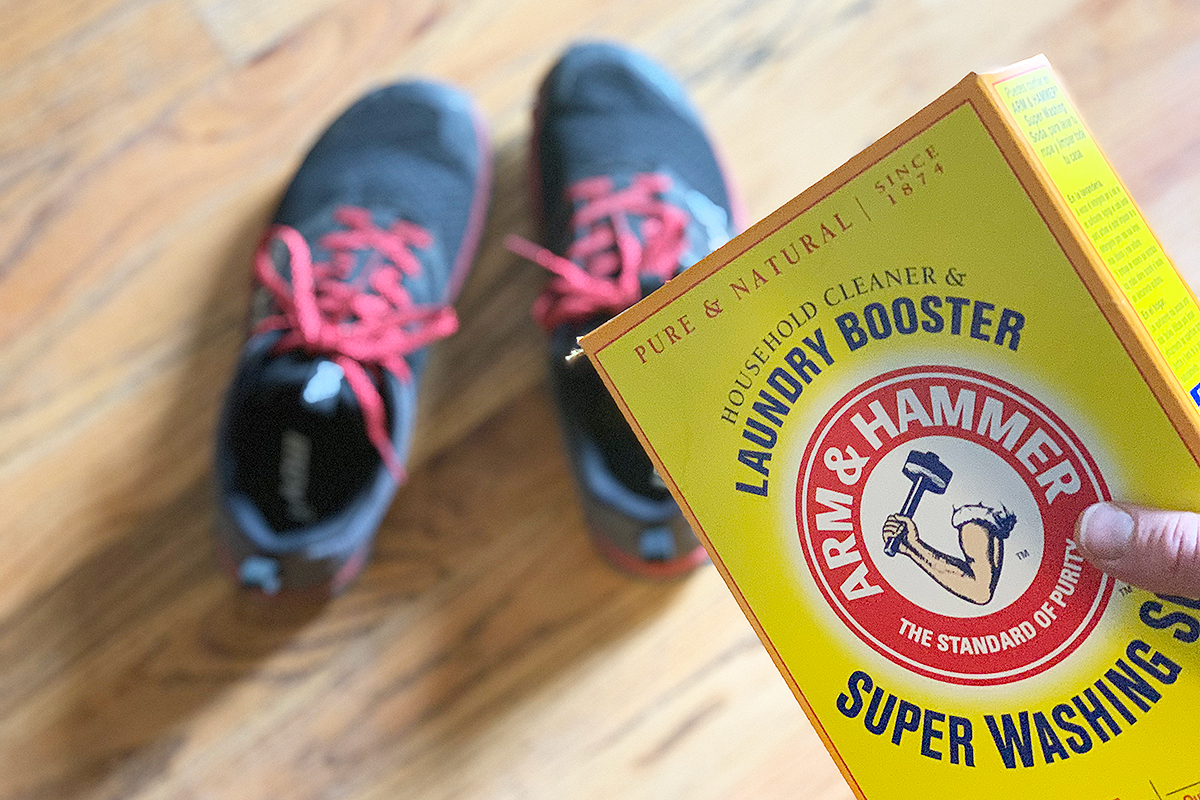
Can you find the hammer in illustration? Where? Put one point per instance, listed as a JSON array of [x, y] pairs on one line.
[[928, 474]]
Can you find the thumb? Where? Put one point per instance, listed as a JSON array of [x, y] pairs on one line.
[[1156, 550]]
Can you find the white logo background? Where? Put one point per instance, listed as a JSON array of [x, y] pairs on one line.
[[980, 476]]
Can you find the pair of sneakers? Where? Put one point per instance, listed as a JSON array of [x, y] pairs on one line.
[[369, 247]]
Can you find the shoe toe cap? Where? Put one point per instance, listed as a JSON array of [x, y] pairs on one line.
[[416, 117], [601, 77]]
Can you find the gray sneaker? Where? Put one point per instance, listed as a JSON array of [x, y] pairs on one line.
[[630, 193], [371, 243]]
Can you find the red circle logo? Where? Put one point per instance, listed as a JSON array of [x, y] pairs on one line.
[[936, 508]]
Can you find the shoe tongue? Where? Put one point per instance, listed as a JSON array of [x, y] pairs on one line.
[[320, 384], [649, 284]]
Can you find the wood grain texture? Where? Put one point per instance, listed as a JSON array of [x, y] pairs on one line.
[[486, 652]]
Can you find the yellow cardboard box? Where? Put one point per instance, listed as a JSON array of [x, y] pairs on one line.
[[883, 408]]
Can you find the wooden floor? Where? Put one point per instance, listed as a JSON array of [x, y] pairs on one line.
[[486, 652]]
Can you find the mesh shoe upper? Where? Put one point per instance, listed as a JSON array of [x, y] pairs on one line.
[[607, 110]]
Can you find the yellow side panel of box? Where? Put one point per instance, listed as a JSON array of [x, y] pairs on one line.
[[1111, 220]]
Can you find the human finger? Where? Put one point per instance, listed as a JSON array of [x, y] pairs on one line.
[[1154, 549]]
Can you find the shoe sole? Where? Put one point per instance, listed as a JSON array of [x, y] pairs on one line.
[[480, 201]]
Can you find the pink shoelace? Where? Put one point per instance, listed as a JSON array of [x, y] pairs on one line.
[[323, 313], [602, 267]]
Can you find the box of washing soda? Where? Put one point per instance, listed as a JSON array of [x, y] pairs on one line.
[[883, 409]]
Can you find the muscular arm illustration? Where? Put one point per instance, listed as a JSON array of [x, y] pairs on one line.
[[974, 575]]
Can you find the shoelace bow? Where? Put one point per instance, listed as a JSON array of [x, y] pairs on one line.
[[322, 312], [602, 268]]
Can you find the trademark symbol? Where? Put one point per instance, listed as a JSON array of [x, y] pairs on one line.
[[1126, 591], [1022, 555]]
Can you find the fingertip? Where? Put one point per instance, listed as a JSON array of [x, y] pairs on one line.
[[1154, 549], [1105, 532]]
